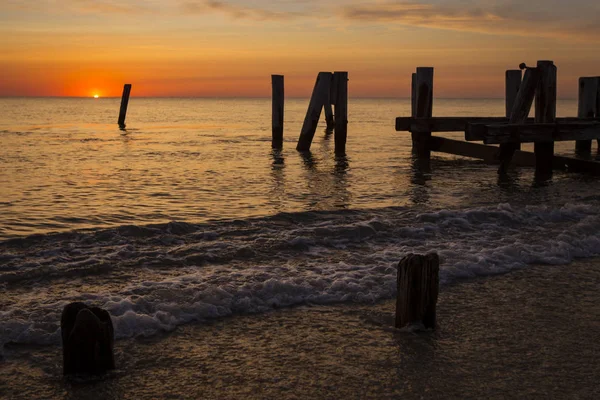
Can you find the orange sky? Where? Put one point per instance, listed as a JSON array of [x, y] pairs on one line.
[[230, 48]]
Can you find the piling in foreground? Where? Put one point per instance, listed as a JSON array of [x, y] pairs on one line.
[[418, 287], [87, 339]]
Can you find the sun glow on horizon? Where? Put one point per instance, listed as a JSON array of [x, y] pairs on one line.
[[96, 96]]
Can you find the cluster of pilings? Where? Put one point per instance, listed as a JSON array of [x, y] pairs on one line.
[[539, 84], [331, 89]]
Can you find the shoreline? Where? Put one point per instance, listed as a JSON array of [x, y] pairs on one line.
[[529, 333]]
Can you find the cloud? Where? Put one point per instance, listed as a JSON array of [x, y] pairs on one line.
[[508, 17], [237, 11]]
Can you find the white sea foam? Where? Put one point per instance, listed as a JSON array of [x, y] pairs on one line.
[[150, 285]]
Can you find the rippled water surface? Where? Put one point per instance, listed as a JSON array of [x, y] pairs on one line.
[[65, 165], [189, 214]]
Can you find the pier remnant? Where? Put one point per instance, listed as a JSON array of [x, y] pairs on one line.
[[124, 103], [519, 113], [329, 119], [87, 339], [512, 84], [545, 112], [278, 98], [423, 108], [418, 287], [586, 108], [341, 112], [318, 98]]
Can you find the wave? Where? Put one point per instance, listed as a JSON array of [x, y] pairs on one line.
[[153, 278]]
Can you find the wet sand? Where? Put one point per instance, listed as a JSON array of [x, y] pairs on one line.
[[533, 333]]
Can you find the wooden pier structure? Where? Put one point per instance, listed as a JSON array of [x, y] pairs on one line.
[[537, 83]]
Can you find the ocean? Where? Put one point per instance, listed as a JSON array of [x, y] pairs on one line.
[[188, 215]]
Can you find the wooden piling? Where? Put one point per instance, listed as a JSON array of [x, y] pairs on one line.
[[277, 86], [519, 112], [418, 287], [423, 106], [413, 95], [341, 112], [327, 106], [124, 103], [545, 112], [512, 84], [586, 108], [317, 100]]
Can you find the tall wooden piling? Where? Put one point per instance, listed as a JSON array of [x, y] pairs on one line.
[[317, 100], [124, 103], [545, 112], [586, 108], [277, 88], [341, 112], [413, 95], [417, 285], [519, 111], [512, 85], [423, 106], [328, 109]]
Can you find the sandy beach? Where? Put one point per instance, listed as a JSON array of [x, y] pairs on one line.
[[532, 333]]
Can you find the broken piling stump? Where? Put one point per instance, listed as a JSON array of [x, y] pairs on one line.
[[87, 339], [418, 287], [124, 103], [341, 112]]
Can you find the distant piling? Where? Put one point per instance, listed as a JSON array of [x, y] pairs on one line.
[[124, 103], [586, 108], [423, 107], [545, 112], [329, 119], [318, 98], [277, 84], [341, 112], [512, 84]]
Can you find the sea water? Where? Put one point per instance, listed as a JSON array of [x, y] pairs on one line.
[[188, 214]]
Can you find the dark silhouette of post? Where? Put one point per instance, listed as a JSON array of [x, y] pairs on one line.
[[586, 108], [277, 110], [417, 286], [423, 107], [341, 112], [87, 339], [512, 84], [545, 112], [319, 96], [327, 107], [124, 103], [520, 111]]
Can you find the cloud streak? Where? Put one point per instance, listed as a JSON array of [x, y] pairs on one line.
[[495, 18]]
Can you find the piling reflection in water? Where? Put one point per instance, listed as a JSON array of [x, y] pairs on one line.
[[326, 181]]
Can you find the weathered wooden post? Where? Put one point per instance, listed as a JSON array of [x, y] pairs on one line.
[[87, 338], [328, 110], [277, 100], [124, 103], [512, 85], [341, 112], [317, 100], [418, 287], [586, 108], [413, 95], [423, 105], [545, 112]]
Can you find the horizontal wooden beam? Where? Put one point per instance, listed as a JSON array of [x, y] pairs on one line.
[[489, 154], [531, 133], [458, 124]]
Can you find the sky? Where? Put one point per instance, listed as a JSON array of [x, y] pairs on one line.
[[223, 48]]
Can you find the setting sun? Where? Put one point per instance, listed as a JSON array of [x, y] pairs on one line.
[[96, 96]]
